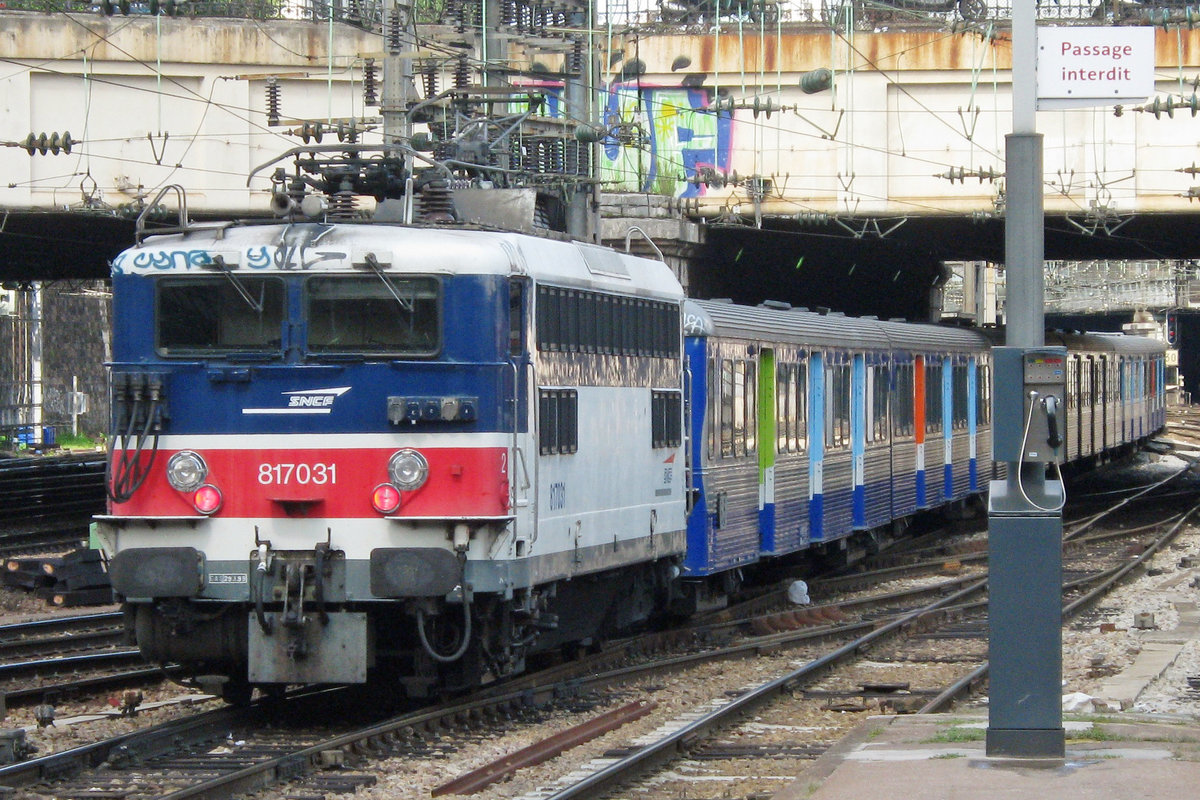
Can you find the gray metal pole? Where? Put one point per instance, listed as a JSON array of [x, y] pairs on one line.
[[398, 86], [1024, 248], [1024, 537], [577, 94]]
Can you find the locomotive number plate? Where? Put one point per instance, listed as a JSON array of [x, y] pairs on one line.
[[302, 474]]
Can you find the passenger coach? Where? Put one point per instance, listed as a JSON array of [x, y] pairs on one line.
[[811, 428]]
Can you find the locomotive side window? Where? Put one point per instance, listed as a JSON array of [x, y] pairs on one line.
[[198, 316], [666, 424], [558, 412], [516, 317], [399, 316]]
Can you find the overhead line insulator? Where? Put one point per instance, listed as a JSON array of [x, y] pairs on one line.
[[54, 143], [273, 95], [370, 82]]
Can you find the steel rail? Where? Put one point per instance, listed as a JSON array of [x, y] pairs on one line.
[[671, 745], [1115, 575]]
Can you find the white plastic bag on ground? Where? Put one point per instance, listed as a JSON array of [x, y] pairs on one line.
[[798, 593]]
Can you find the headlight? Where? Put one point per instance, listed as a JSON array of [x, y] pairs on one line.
[[408, 470], [186, 470]]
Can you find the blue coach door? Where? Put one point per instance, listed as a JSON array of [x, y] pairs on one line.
[[858, 438], [700, 524], [973, 422], [816, 449], [947, 429]]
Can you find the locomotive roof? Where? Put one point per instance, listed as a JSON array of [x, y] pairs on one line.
[[807, 328], [320, 248]]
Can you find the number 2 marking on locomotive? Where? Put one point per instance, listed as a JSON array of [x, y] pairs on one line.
[[304, 474]]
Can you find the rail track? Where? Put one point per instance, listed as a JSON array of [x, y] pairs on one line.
[[46, 502], [890, 649]]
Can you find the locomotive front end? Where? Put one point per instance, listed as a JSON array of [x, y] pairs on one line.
[[313, 426]]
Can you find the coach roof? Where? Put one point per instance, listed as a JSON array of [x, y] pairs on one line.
[[807, 328]]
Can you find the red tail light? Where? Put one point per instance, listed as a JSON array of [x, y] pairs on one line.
[[385, 498], [207, 499]]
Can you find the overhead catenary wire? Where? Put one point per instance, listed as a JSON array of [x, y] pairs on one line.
[[759, 128]]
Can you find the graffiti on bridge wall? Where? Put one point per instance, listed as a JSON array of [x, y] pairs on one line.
[[660, 136]]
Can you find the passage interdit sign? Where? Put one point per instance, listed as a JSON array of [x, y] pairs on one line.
[[1094, 66]]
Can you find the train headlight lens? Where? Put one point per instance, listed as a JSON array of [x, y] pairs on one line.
[[186, 470], [408, 470], [386, 498], [207, 499]]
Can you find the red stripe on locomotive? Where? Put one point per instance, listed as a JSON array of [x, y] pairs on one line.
[[329, 483]]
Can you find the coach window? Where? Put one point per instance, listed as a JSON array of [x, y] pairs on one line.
[[739, 408], [398, 315], [1072, 383], [877, 397], [799, 442], [725, 408], [738, 420], [837, 428], [983, 393], [958, 397], [933, 395], [791, 398], [902, 401], [751, 407], [785, 405], [202, 315], [1089, 383]]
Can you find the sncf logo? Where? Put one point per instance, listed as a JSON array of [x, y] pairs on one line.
[[304, 401], [311, 400]]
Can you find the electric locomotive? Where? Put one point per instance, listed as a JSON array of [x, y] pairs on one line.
[[412, 454]]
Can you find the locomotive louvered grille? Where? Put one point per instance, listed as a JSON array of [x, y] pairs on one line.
[[578, 321]]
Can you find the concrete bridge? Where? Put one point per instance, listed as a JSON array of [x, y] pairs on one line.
[[893, 158], [760, 173]]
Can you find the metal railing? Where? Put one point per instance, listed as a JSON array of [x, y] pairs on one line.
[[698, 16], [28, 424]]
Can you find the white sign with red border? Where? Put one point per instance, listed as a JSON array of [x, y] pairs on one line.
[[1092, 66]]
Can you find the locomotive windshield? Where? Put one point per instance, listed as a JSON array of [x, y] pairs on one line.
[[202, 316], [394, 315]]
